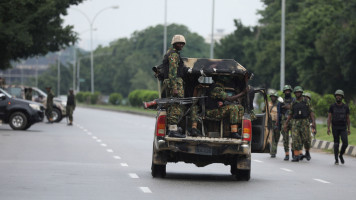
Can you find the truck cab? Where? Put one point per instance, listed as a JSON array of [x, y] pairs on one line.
[[215, 145]]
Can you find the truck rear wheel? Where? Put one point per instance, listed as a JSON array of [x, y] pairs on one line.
[[158, 170], [243, 175]]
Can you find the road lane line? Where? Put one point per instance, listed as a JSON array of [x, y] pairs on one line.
[[94, 137], [104, 145], [98, 140], [89, 133], [109, 150], [133, 175], [320, 180], [145, 190], [117, 157], [258, 161], [287, 170], [85, 130], [124, 164]]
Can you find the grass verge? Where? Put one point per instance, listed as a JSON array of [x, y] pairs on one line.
[[322, 134], [122, 108]]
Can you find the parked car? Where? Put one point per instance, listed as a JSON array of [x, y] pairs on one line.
[[59, 106], [18, 113]]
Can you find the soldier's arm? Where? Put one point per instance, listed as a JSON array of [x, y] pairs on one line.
[[329, 122], [173, 70], [219, 93], [348, 124], [235, 97], [312, 116]]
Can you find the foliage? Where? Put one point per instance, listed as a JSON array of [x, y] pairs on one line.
[[320, 46], [115, 98], [29, 28], [80, 97], [136, 97], [94, 98]]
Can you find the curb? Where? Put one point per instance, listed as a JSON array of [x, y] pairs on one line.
[[315, 144], [326, 145]]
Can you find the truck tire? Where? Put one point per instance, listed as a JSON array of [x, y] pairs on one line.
[[57, 115], [18, 121], [243, 175], [158, 170]]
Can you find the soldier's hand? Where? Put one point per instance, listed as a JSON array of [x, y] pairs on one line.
[[328, 131], [175, 92], [285, 128], [348, 132], [220, 103]]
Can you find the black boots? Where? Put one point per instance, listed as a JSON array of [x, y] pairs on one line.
[[175, 134], [235, 135], [195, 133], [295, 158], [341, 159], [286, 158], [307, 155]]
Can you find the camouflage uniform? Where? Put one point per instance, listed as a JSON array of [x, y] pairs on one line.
[[174, 83], [276, 132], [235, 112], [49, 104], [300, 129], [285, 134]]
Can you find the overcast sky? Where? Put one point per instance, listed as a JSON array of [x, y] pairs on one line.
[[133, 15]]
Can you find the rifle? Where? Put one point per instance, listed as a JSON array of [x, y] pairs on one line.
[[168, 101]]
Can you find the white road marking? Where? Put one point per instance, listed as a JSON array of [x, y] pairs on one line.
[[133, 175], [124, 164], [258, 161], [117, 157], [320, 180], [109, 150], [89, 133], [98, 140], [104, 145], [287, 170], [85, 130], [145, 189], [94, 137]]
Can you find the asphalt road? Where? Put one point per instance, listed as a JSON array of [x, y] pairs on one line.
[[107, 155]]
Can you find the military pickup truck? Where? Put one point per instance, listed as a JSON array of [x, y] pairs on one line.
[[215, 146]]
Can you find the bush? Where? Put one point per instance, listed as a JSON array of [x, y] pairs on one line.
[[80, 97], [86, 97], [352, 107], [115, 98], [136, 97], [322, 107], [94, 97]]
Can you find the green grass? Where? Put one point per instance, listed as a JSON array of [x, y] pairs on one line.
[[122, 108], [322, 134]]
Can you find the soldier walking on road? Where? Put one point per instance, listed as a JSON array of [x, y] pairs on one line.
[[173, 68], [49, 104], [283, 112], [273, 105], [70, 106], [300, 112], [28, 94], [339, 117]]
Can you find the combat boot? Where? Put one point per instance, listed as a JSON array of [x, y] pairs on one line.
[[175, 134], [301, 157], [273, 155], [307, 155], [195, 133], [342, 159], [286, 157], [295, 159]]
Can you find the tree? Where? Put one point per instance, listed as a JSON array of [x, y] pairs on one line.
[[32, 27]]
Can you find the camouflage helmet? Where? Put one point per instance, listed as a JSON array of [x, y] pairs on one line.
[[339, 92], [298, 89], [273, 94], [307, 94], [287, 87], [178, 38]]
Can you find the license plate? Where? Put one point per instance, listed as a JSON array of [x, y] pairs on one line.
[[203, 150]]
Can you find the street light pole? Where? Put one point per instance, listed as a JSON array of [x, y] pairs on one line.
[[283, 45], [59, 74], [91, 23], [212, 32], [165, 28]]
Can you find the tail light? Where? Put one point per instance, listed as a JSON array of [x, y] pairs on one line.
[[161, 126], [247, 130], [149, 104]]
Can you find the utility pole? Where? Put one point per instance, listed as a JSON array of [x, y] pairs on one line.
[[282, 82], [59, 74], [165, 28]]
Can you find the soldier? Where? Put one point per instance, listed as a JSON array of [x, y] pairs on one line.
[[216, 108], [49, 104], [307, 96], [28, 94], [2, 82], [273, 105], [339, 117], [173, 69], [70, 106], [300, 112], [283, 112]]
